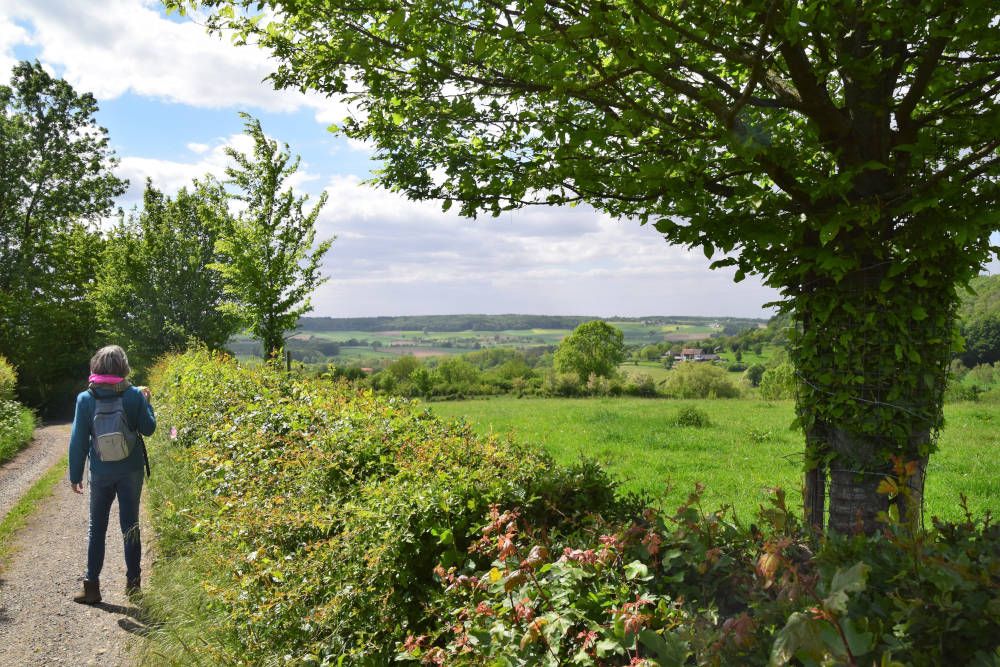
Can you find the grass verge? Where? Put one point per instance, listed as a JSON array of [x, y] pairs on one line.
[[23, 508], [17, 434], [174, 599]]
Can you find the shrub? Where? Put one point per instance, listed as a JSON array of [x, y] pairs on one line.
[[561, 384], [8, 379], [753, 374], [983, 375], [778, 383], [692, 416], [318, 513], [696, 589], [699, 380], [642, 385], [17, 424], [956, 391]]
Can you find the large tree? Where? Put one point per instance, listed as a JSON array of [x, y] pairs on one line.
[[270, 258], [56, 182], [845, 151], [154, 291], [593, 348]]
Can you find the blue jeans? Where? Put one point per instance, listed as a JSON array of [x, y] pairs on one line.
[[127, 487]]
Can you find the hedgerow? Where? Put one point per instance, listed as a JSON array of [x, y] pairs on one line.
[[316, 524], [316, 514]]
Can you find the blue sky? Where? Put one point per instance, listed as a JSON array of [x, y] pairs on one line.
[[170, 96]]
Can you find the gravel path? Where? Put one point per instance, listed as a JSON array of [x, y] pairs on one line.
[[18, 474], [39, 623]]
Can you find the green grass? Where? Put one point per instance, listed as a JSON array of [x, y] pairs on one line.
[[748, 448], [175, 600], [26, 505], [16, 435], [654, 369]]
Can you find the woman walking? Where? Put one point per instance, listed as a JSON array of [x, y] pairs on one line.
[[111, 416]]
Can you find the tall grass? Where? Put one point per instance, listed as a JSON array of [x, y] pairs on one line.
[[175, 602]]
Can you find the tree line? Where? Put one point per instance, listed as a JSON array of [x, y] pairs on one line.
[[188, 268], [448, 323]]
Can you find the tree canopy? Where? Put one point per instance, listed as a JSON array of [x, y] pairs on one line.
[[154, 291], [845, 151], [594, 348], [56, 182]]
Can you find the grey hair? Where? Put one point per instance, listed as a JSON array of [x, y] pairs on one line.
[[110, 360]]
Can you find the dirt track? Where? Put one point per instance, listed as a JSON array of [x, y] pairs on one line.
[[39, 624]]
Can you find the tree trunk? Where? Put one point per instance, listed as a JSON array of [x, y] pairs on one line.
[[814, 498], [871, 352]]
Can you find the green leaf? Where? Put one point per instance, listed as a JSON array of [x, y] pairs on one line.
[[670, 651], [861, 641], [919, 313], [606, 647], [846, 581], [801, 634], [828, 231], [636, 570]]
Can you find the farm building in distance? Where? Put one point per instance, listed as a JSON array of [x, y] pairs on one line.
[[696, 354]]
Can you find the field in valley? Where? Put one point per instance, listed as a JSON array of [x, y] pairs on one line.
[[747, 448], [370, 347]]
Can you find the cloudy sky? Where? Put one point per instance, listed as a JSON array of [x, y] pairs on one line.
[[169, 97]]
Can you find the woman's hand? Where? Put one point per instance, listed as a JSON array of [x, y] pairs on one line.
[[145, 392], [77, 487]]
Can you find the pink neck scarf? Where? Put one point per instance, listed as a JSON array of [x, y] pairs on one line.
[[105, 379]]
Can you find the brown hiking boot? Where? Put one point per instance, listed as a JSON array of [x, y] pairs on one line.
[[133, 591], [91, 593]]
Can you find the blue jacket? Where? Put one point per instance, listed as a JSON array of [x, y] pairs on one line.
[[139, 414]]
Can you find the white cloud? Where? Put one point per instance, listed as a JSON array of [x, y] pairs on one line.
[[11, 35], [394, 255], [171, 175], [127, 45]]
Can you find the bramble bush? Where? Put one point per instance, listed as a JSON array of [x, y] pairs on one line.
[[694, 588], [317, 513], [692, 417]]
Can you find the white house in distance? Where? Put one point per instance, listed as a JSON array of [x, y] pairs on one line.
[[696, 354]]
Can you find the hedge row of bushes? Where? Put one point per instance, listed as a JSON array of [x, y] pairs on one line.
[[302, 522], [456, 378], [17, 423], [312, 515]]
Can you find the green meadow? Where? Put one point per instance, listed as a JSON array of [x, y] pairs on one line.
[[747, 448]]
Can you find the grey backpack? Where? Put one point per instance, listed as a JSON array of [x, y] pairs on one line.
[[114, 439]]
